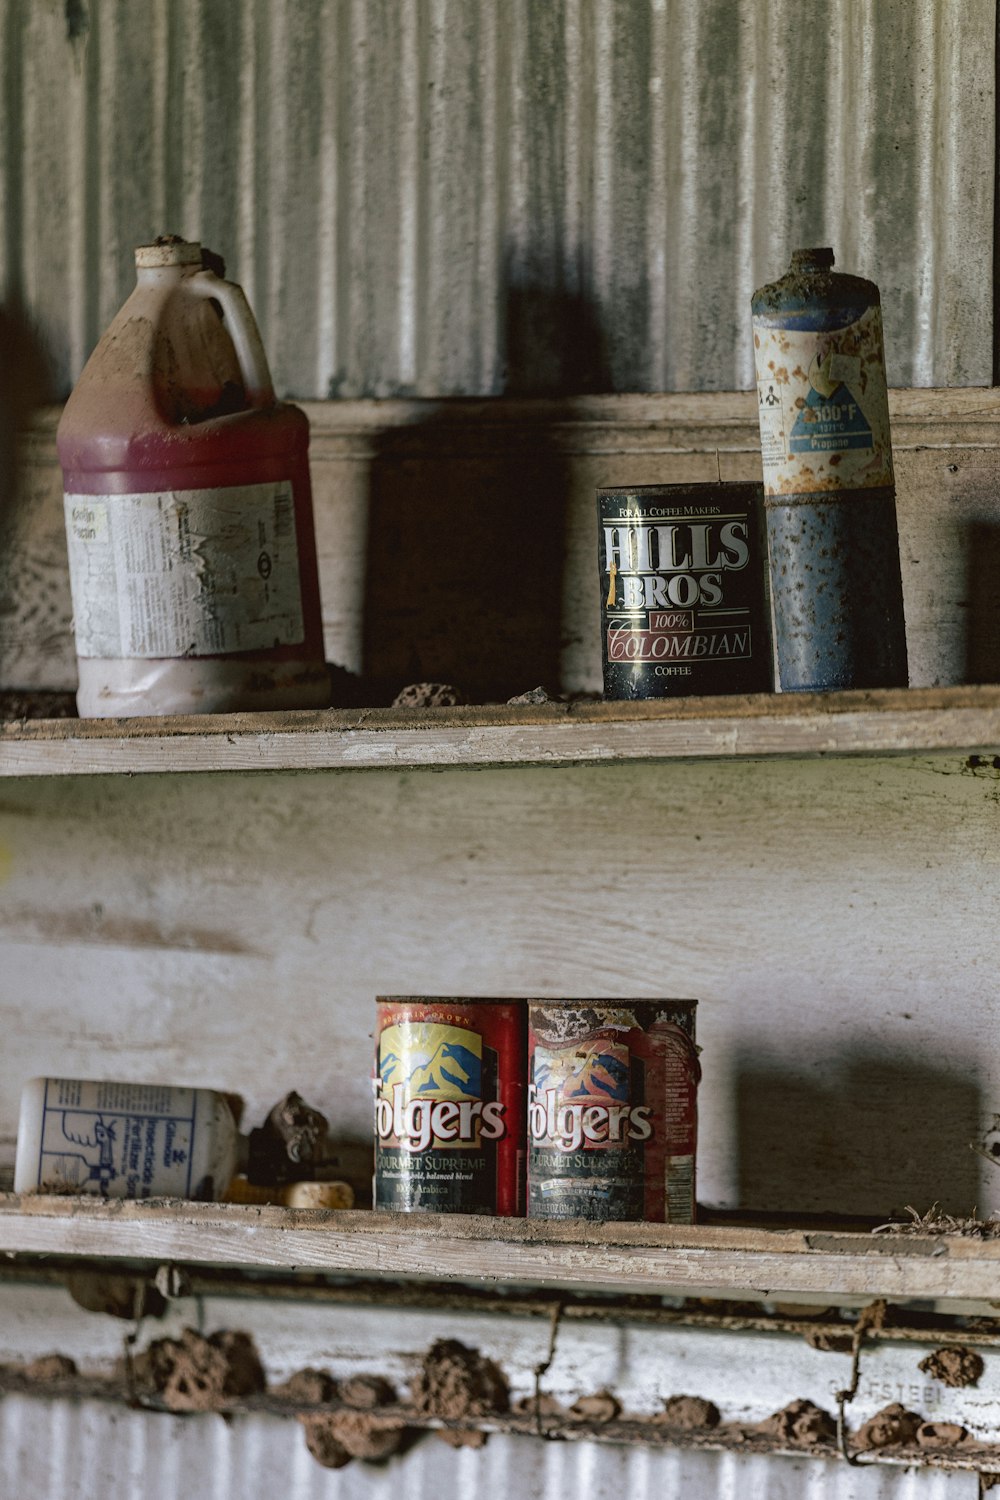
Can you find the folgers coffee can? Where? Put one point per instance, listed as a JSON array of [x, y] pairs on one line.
[[612, 1110], [682, 572], [449, 1088]]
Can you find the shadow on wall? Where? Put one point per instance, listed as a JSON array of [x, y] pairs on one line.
[[467, 523], [555, 345], [25, 382], [868, 1135], [981, 548], [33, 602]]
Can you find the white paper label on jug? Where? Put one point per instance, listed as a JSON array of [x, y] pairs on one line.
[[823, 407], [184, 573], [118, 1140]]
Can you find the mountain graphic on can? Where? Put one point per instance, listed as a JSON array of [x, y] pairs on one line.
[[429, 1059], [594, 1072]]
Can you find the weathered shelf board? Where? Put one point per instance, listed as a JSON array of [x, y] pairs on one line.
[[766, 725], [631, 1258]]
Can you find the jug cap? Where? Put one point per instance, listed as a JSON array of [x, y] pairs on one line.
[[168, 250]]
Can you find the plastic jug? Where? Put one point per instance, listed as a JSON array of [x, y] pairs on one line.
[[188, 508], [124, 1140]]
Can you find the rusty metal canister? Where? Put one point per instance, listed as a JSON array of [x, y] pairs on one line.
[[612, 1109], [829, 494], [449, 1105], [682, 576]]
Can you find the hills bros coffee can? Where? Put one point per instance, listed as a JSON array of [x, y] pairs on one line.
[[612, 1110], [449, 1105], [683, 590]]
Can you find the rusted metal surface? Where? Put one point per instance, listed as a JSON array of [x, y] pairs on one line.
[[453, 196], [829, 491]]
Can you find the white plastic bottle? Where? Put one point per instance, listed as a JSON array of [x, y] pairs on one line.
[[126, 1140]]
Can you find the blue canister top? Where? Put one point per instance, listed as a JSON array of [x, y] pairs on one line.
[[812, 295]]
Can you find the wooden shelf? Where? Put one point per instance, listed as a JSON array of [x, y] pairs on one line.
[[627, 1258], [768, 725]]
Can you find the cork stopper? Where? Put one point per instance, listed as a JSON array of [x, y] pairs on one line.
[[318, 1195], [329, 1195]]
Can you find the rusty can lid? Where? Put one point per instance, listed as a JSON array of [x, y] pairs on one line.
[[168, 250]]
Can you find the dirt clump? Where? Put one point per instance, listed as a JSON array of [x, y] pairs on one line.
[[889, 1427], [540, 1406], [194, 1373], [365, 1392], [954, 1366], [456, 1382], [533, 695], [800, 1423], [428, 695], [49, 1367], [362, 1434], [940, 1434], [689, 1413], [128, 1297], [325, 1447], [601, 1407], [244, 1371], [829, 1343], [307, 1387], [461, 1437]]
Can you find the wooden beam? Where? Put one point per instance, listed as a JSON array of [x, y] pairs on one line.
[[803, 725], [629, 1258]]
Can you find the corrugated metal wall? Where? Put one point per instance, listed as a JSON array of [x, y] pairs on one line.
[[469, 196], [82, 1450]]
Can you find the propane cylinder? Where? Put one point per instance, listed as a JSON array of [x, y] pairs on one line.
[[829, 496], [188, 508]]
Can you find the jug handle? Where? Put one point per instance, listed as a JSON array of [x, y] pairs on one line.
[[242, 329]]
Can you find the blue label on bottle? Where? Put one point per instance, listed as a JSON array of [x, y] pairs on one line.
[[830, 424], [117, 1140]]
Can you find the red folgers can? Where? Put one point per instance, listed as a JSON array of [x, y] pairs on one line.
[[449, 1105], [612, 1110]]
